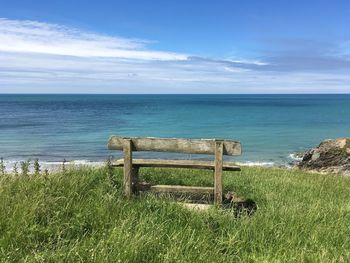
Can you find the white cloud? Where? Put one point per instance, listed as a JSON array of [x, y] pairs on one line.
[[252, 62], [37, 37], [42, 57]]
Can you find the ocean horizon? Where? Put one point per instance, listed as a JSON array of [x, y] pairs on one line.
[[76, 127]]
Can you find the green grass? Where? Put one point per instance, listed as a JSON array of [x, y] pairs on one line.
[[79, 217]]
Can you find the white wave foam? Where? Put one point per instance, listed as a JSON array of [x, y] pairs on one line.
[[295, 157], [51, 165], [251, 163]]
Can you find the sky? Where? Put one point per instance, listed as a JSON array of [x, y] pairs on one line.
[[157, 46]]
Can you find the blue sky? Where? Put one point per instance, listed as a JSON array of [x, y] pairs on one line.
[[175, 46]]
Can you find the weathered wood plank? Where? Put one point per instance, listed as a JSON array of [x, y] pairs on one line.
[[194, 146], [197, 164], [127, 167], [218, 172], [181, 189]]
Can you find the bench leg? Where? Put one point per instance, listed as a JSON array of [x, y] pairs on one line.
[[219, 150], [127, 148]]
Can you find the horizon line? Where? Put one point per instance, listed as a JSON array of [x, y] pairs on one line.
[[78, 93]]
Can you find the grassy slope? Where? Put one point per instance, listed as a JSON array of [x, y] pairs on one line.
[[78, 216]]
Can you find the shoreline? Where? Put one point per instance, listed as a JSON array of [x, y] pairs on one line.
[[56, 166]]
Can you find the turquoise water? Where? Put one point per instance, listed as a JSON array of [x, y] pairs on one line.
[[77, 127]]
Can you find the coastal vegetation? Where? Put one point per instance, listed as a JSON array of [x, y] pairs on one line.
[[80, 215]]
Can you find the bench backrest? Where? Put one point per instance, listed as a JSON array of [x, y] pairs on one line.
[[192, 146]]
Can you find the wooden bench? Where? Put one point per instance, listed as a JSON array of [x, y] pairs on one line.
[[190, 146]]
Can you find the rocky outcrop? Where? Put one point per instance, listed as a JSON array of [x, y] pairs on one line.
[[330, 156]]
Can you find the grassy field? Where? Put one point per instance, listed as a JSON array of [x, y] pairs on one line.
[[78, 216]]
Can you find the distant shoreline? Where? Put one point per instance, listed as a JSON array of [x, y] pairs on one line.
[[56, 166]]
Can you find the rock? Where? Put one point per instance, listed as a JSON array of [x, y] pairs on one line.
[[329, 156]]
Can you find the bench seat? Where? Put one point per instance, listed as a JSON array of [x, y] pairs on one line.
[[177, 164]]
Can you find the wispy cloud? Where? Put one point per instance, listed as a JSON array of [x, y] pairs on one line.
[[36, 37], [42, 57], [304, 55]]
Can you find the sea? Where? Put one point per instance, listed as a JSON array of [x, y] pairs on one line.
[[271, 128]]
